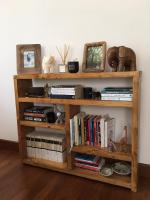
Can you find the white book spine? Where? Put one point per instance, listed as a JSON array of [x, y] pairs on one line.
[[117, 98], [102, 127], [116, 95], [71, 133]]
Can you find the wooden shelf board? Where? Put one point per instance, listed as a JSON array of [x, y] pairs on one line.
[[46, 164], [78, 75], [85, 102], [115, 179], [87, 149], [42, 124]]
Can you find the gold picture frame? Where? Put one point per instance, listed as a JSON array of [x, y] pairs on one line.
[[28, 58], [94, 57]]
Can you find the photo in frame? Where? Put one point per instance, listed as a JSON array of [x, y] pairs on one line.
[[28, 58], [94, 57]]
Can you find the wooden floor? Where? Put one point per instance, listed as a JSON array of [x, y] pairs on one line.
[[23, 182]]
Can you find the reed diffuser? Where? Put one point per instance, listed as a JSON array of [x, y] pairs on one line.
[[63, 55]]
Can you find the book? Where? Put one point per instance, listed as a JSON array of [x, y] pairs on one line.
[[46, 145], [72, 133], [33, 114], [87, 158], [85, 166], [116, 98], [67, 96], [118, 89], [97, 134], [117, 95], [94, 167], [38, 109], [102, 128], [76, 130]]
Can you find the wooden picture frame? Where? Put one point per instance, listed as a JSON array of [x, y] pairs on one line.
[[94, 57], [28, 59]]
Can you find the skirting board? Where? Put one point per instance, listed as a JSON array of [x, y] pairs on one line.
[[144, 169], [9, 145]]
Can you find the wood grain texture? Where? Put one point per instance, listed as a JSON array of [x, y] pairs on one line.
[[42, 124], [85, 102], [102, 152], [22, 182], [78, 75], [134, 135]]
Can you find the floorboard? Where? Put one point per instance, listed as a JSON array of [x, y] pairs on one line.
[[23, 182]]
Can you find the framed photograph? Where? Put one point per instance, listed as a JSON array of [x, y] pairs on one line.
[[29, 59], [94, 57]]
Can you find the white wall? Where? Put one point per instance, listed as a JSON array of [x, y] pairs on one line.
[[75, 22]]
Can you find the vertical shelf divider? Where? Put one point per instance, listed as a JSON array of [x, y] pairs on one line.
[[70, 111], [134, 133]]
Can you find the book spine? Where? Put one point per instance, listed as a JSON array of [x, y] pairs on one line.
[[117, 98], [76, 130], [102, 132], [82, 128], [87, 166], [71, 133], [58, 96], [33, 114], [116, 95]]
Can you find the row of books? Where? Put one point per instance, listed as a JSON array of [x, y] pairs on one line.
[[117, 93], [95, 130], [46, 145], [67, 91], [90, 162]]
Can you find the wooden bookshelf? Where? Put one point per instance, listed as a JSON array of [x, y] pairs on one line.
[[72, 106]]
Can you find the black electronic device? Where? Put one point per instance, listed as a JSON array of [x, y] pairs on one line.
[[35, 92], [87, 93]]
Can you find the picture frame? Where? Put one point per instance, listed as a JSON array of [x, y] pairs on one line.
[[29, 58], [94, 57]]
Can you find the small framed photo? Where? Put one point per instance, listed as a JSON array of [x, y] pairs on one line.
[[29, 59], [94, 57]]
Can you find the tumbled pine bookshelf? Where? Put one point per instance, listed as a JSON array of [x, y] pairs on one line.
[[71, 107]]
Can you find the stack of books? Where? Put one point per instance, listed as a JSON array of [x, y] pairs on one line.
[[46, 145], [36, 113], [66, 92], [117, 93], [89, 162], [94, 130]]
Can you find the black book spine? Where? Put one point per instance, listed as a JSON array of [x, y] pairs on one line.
[[58, 96]]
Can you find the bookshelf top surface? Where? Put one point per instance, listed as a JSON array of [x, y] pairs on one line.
[[79, 75]]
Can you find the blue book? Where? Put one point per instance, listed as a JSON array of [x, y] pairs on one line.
[[87, 158]]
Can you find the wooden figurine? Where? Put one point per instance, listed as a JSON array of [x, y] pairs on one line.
[[121, 58]]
